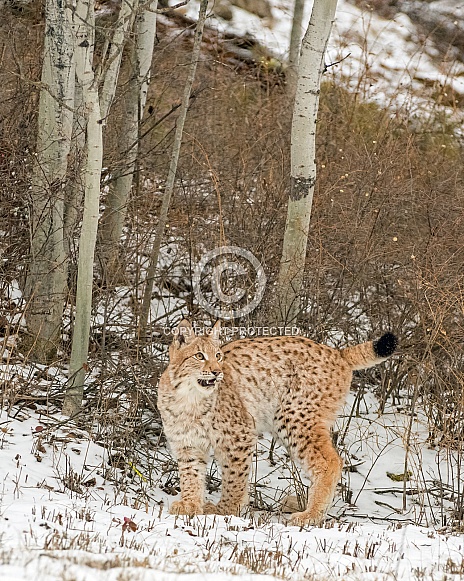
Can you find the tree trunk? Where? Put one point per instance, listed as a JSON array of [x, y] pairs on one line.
[[74, 188], [46, 279], [303, 163], [295, 46], [145, 311], [84, 32], [111, 72], [115, 212]]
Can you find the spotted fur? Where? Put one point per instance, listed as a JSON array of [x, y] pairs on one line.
[[223, 398]]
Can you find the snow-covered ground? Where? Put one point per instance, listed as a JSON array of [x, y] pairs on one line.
[[67, 514], [390, 61]]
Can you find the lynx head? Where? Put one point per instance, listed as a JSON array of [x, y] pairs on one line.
[[196, 360]]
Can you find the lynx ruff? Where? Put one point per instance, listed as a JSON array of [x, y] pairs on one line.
[[223, 398]]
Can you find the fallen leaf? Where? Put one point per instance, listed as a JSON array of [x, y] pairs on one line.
[[129, 525]]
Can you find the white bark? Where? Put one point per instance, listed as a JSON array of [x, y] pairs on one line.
[[295, 45], [111, 74], [303, 163], [145, 311], [136, 96], [74, 187], [46, 280], [146, 35], [74, 195], [84, 19]]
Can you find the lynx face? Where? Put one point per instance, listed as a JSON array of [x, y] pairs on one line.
[[196, 361]]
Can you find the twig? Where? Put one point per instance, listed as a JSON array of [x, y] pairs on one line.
[[327, 67]]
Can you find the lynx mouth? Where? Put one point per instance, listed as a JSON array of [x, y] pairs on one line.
[[208, 382]]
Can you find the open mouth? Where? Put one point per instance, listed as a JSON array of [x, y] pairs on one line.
[[207, 382]]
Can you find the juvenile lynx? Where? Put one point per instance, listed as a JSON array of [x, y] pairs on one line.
[[223, 398]]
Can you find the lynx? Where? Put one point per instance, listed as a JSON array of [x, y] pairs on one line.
[[224, 398]]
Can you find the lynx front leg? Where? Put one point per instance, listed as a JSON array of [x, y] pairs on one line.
[[192, 472], [235, 460]]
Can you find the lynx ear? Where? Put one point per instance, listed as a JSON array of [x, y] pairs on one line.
[[184, 334], [216, 332]]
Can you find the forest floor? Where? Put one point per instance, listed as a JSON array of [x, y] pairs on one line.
[[69, 511]]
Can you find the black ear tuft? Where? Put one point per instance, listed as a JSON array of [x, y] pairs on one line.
[[386, 345], [184, 334]]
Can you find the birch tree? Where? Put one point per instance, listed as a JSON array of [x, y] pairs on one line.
[[84, 22], [46, 278], [295, 45], [116, 204], [74, 187], [303, 163], [154, 255], [108, 71]]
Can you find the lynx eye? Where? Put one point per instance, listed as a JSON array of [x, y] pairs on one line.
[[219, 356], [199, 356]]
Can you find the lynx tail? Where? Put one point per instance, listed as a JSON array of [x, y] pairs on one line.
[[371, 353]]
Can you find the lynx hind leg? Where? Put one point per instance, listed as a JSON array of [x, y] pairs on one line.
[[314, 449], [192, 473]]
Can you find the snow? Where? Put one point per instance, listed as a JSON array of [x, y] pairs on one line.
[[66, 514], [386, 61]]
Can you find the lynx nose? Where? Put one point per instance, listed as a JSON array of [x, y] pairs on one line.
[[215, 373]]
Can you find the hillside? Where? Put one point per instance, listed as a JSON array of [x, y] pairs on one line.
[[407, 55]]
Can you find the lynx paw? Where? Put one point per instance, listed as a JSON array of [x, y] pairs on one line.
[[220, 508], [211, 508], [305, 518], [188, 507]]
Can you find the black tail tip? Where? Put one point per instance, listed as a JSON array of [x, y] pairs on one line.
[[386, 345]]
